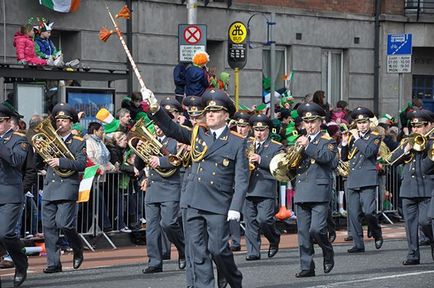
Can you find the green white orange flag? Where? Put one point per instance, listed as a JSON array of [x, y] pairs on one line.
[[63, 6], [86, 183]]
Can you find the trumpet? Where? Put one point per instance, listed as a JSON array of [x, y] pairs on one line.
[[418, 142], [250, 151]]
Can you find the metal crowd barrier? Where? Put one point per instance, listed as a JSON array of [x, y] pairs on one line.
[[117, 202]]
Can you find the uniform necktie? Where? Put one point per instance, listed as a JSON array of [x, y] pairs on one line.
[[214, 135], [258, 146], [310, 138]]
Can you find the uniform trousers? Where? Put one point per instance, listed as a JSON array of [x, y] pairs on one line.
[[188, 258], [312, 224], [235, 231], [209, 235], [59, 215], [363, 202], [415, 212], [259, 215], [10, 213], [162, 216]]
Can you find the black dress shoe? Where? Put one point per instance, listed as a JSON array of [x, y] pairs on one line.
[[356, 250], [150, 269], [272, 251], [411, 262], [378, 242], [252, 257], [305, 273], [20, 277], [182, 263], [332, 236], [222, 282], [77, 260], [328, 265], [52, 269], [432, 251], [235, 248], [348, 238]]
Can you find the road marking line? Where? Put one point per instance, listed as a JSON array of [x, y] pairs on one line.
[[374, 279]]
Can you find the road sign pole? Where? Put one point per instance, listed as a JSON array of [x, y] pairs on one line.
[[192, 11], [272, 65], [401, 91], [237, 87]]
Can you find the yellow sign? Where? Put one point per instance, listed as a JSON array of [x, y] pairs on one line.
[[237, 32]]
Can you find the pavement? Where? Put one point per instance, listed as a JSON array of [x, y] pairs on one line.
[[122, 267]]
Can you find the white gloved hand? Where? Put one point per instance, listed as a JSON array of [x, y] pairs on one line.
[[234, 215], [148, 95]]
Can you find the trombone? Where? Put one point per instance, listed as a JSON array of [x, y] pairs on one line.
[[418, 142]]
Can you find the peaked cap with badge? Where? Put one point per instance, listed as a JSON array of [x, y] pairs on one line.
[[194, 105], [242, 118], [64, 111], [170, 104], [310, 111], [260, 122], [361, 114], [421, 116], [217, 99]]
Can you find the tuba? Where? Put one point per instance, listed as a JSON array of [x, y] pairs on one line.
[[49, 145], [145, 145], [283, 164]]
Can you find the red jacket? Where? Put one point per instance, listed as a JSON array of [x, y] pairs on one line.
[[25, 48]]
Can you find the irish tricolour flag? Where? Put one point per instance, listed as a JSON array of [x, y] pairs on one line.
[[86, 183], [63, 6]]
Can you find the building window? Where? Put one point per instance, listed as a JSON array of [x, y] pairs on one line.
[[423, 87], [332, 75], [281, 65]]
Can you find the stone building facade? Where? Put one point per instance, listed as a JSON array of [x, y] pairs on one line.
[[329, 45]]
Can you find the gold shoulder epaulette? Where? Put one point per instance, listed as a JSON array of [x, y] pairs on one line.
[[236, 134], [77, 138], [19, 134], [326, 136], [375, 133], [276, 142], [186, 127]]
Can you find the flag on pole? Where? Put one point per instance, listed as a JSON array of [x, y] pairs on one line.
[[86, 183], [63, 6]]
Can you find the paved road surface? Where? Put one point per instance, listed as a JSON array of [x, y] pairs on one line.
[[375, 268]]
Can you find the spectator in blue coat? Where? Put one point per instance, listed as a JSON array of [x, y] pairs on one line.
[[196, 76]]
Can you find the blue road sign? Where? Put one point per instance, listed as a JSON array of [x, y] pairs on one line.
[[399, 44]]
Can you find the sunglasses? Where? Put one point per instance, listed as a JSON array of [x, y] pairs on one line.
[[2, 119]]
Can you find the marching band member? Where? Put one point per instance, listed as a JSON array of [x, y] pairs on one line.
[[416, 187], [362, 182], [243, 127], [13, 153], [312, 190], [260, 206], [162, 206], [59, 201], [218, 184]]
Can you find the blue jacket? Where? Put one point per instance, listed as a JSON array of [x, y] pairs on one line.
[[196, 81], [44, 48]]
